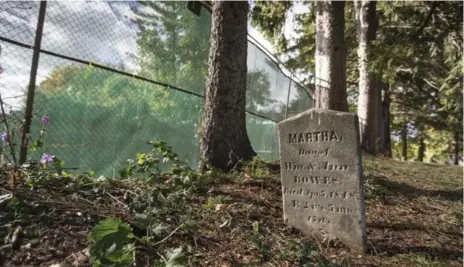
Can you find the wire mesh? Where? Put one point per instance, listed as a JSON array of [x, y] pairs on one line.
[[115, 75], [299, 100], [18, 20]]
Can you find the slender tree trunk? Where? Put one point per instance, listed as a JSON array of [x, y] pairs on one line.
[[386, 138], [456, 148], [366, 25], [421, 152], [404, 141], [223, 137], [330, 81], [379, 122]]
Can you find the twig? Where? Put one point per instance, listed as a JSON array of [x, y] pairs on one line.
[[119, 201], [166, 238], [150, 247], [7, 131]]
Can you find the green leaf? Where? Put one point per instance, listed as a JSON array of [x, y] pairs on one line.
[[175, 258], [189, 225], [66, 175], [141, 158], [159, 229], [142, 221], [109, 226], [112, 243], [255, 226]]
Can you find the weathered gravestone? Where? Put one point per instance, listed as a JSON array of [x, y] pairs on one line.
[[321, 174]]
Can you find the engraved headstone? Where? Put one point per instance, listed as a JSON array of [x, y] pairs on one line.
[[321, 172]]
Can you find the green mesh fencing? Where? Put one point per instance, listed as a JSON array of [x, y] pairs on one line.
[[114, 75], [299, 100]]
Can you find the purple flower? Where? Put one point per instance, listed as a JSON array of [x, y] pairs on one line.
[[46, 158], [45, 119], [4, 138]]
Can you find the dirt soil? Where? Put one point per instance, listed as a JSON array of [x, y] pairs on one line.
[[414, 218]]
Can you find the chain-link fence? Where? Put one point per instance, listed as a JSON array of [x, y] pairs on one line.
[[113, 75]]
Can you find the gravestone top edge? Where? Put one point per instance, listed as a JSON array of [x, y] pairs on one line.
[[318, 111]]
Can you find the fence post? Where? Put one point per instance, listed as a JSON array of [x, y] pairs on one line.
[[32, 80], [288, 95]]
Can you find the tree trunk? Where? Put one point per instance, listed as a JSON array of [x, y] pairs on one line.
[[386, 138], [366, 24], [456, 148], [330, 81], [421, 152], [223, 137], [404, 141]]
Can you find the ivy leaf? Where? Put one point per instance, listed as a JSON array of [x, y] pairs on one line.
[[175, 258], [105, 227], [142, 221], [159, 229], [189, 224], [112, 243]]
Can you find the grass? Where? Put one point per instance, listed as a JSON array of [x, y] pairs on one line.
[[413, 214]]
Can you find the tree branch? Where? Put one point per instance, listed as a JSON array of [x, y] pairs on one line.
[[427, 19]]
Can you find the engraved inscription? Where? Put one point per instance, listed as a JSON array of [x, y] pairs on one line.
[[291, 166], [323, 193], [321, 174], [322, 136], [320, 220], [330, 194], [298, 192], [332, 167], [323, 152], [316, 207], [315, 180]]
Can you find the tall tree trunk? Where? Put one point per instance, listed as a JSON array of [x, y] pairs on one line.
[[223, 137], [404, 141], [386, 138], [330, 81], [379, 123], [366, 25], [456, 148], [421, 151]]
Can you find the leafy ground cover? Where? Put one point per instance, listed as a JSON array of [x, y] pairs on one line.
[[180, 217]]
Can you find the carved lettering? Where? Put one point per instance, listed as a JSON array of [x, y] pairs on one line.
[[332, 167], [323, 152], [291, 166], [315, 180], [322, 136], [316, 207], [293, 191], [333, 136], [320, 220], [330, 194], [341, 210]]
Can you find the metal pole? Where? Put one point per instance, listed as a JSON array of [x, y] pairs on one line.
[[288, 95], [32, 79]]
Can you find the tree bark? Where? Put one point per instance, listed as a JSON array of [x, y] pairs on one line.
[[421, 152], [456, 148], [366, 25], [330, 81], [224, 140], [404, 141]]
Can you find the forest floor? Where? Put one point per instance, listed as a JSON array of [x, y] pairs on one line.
[[414, 218]]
